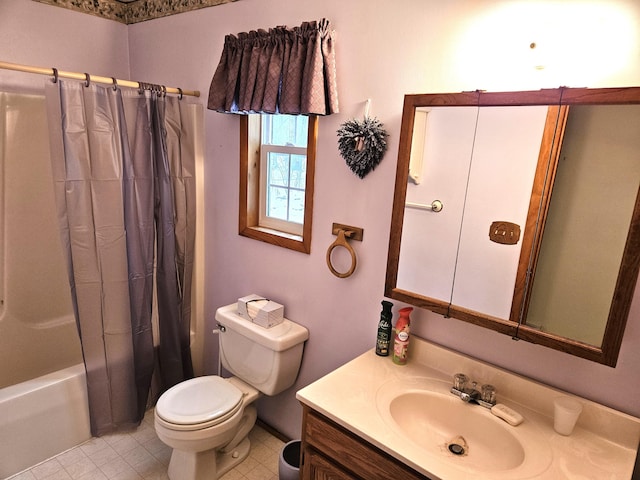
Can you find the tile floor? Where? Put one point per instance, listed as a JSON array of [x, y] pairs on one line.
[[140, 455]]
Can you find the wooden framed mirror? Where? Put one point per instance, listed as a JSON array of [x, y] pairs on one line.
[[538, 235]]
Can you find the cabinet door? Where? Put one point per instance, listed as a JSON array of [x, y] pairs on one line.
[[503, 167], [349, 452], [316, 467], [480, 163]]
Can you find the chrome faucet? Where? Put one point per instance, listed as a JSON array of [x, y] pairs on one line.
[[470, 394], [486, 397]]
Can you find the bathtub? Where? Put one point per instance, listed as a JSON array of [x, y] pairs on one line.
[[43, 399], [42, 417]]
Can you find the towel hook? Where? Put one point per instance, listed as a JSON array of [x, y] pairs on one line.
[[343, 232], [341, 241], [87, 79]]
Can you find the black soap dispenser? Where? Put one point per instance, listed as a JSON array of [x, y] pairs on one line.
[[384, 330]]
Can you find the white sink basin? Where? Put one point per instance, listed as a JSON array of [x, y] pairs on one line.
[[466, 436]]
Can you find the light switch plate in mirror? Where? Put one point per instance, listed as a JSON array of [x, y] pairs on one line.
[[506, 233]]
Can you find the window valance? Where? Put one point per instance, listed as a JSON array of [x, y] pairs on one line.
[[277, 71]]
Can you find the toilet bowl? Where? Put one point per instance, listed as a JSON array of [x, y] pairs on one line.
[[206, 420]]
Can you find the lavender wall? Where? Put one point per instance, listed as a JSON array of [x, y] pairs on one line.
[[385, 49], [41, 35]]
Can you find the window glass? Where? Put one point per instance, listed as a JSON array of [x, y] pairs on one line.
[[285, 130], [285, 186], [284, 165]]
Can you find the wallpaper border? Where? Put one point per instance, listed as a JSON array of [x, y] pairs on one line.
[[133, 12]]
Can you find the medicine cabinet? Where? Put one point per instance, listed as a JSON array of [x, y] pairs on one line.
[[537, 230]]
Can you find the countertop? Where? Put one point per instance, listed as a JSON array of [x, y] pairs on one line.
[[603, 444]]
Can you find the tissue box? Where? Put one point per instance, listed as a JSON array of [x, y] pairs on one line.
[[260, 311]]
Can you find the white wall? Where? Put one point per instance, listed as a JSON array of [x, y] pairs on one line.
[[385, 49]]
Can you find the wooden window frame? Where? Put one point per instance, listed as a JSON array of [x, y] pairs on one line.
[[250, 182]]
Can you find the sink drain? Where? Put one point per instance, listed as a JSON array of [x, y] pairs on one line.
[[458, 446], [456, 449]]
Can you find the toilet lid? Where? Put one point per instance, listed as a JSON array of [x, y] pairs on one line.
[[198, 400]]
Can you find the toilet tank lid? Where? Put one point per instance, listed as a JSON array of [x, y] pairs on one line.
[[278, 338]]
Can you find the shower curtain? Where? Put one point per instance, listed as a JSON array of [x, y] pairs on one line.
[[124, 178]]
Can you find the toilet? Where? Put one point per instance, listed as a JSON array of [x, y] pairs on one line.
[[206, 420]]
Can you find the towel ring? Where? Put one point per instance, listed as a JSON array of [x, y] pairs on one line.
[[341, 241]]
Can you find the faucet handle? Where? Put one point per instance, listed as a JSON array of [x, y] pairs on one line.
[[488, 394], [460, 381]]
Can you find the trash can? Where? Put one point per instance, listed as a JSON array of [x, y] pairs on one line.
[[289, 465]]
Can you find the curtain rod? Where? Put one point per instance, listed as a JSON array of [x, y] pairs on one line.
[[85, 76]]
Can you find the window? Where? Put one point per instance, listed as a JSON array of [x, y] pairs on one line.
[[283, 166], [276, 179]]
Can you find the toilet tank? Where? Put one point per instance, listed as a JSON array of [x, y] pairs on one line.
[[265, 358]]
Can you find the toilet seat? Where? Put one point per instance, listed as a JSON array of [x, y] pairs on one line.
[[199, 403]]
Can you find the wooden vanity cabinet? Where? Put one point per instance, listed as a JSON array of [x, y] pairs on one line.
[[330, 452]]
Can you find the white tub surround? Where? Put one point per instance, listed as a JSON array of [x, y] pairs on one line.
[[41, 418], [603, 445]]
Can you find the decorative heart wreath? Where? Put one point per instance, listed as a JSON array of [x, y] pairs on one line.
[[362, 144]]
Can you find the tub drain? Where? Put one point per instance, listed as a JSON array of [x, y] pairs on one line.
[[458, 446]]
